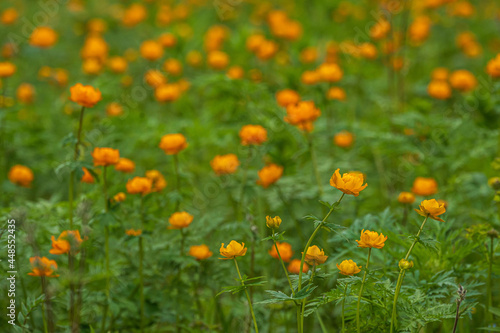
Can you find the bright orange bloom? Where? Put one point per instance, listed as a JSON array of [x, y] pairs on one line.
[[180, 220], [294, 267], [119, 197], [349, 183], [173, 143], [225, 164], [431, 208], [308, 55], [310, 77], [200, 252], [253, 135], [330, 72], [419, 29], [269, 175], [159, 182], [95, 47], [254, 41], [86, 96], [285, 250], [217, 59], [463, 80], [151, 50], [68, 241], [25, 93], [172, 67], [424, 186], [114, 109], [43, 267], [117, 64], [286, 97], [139, 185], [302, 114], [125, 165], [21, 175], [133, 232], [336, 93], [371, 239], [233, 250], [266, 50], [155, 78], [440, 74], [368, 51], [380, 29], [167, 92], [105, 156], [348, 267], [134, 15], [7, 69], [406, 198], [9, 16], [43, 37], [315, 256], [235, 72], [167, 40], [493, 67], [343, 139], [439, 89], [87, 177]]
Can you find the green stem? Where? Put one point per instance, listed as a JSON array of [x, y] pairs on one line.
[[489, 287], [343, 306], [72, 293], [248, 297], [141, 265], [72, 173], [50, 319], [283, 265], [305, 298], [106, 250], [178, 182], [243, 182], [321, 324], [401, 276], [361, 290], [314, 163]]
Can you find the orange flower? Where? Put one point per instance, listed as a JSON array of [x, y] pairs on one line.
[[95, 47], [406, 198], [440, 74], [269, 175], [134, 15], [302, 114], [419, 29], [424, 186], [133, 232], [194, 58], [87, 177], [235, 73], [273, 222], [285, 250], [315, 256], [167, 92], [155, 78], [200, 252], [233, 250], [294, 267], [493, 67], [180, 220], [118, 64], [139, 185], [253, 135], [151, 50], [286, 97], [343, 139], [380, 29], [7, 69], [348, 267], [266, 50], [167, 40], [159, 182], [43, 267], [173, 143], [308, 55], [21, 175], [336, 93], [9, 16], [330, 72], [217, 59], [25, 93], [310, 77], [371, 239], [431, 208], [172, 67], [463, 80], [68, 241], [225, 164], [105, 156], [86, 96], [125, 165], [439, 89], [254, 41], [349, 183], [368, 51], [114, 109], [43, 37], [119, 197]]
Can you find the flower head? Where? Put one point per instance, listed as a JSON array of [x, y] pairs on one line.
[[87, 177], [405, 264], [133, 232], [424, 186], [125, 165], [315, 256], [302, 114], [493, 67], [119, 197], [42, 266], [463, 80], [21, 175], [406, 198], [343, 139], [225, 164], [273, 222], [294, 267], [253, 135], [151, 50], [139, 185], [269, 175], [233, 250], [371, 239], [286, 97], [285, 250], [349, 183], [25, 93], [348, 267], [43, 37], [173, 143], [200, 252], [180, 220], [431, 208], [86, 96], [105, 156], [68, 241], [159, 182]]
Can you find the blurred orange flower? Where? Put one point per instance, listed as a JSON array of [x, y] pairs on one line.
[[7, 69], [87, 177], [217, 59], [225, 164], [180, 220], [133, 232], [253, 135], [286, 97], [285, 250], [343, 139], [68, 241], [105, 156], [86, 96], [173, 143], [302, 114], [294, 267], [25, 93], [406, 198], [463, 80], [125, 165], [21, 175], [439, 89], [336, 93], [269, 175], [167, 92], [424, 186], [159, 182], [42, 266], [43, 37], [200, 252], [151, 50], [139, 185], [119, 197]]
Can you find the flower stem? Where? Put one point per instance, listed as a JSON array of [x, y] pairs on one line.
[[50, 319], [343, 306], [314, 163], [321, 324], [106, 251], [402, 274], [178, 181], [72, 293], [284, 267], [248, 297], [141, 265], [361, 289], [305, 298], [489, 304], [243, 182], [72, 173]]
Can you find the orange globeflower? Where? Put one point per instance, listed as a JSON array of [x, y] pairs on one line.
[[315, 256], [155, 78], [233, 250], [134, 15], [125, 165], [348, 267], [180, 220], [439, 89], [493, 67], [463, 80], [253, 135], [87, 177], [117, 64], [269, 175], [285, 250], [43, 37], [286, 97], [68, 241], [159, 182], [336, 93], [43, 267], [349, 183], [254, 41], [86, 96], [431, 208], [308, 55], [406, 198], [302, 114], [133, 232], [310, 77], [173, 143], [119, 197], [167, 40], [235, 72], [368, 51], [225, 164], [294, 267], [167, 92], [343, 139], [330, 72], [200, 252], [217, 59], [172, 67], [9, 16], [194, 58], [380, 29], [7, 69], [21, 175], [440, 74], [371, 239], [151, 50], [25, 93], [139, 185], [424, 186], [114, 109], [105, 156]]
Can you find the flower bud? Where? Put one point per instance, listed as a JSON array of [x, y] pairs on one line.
[[273, 222], [493, 233], [405, 264], [494, 182]]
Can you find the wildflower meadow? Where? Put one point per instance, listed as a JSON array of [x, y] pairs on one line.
[[249, 166]]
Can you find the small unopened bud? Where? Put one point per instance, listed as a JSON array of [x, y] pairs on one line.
[[461, 293], [405, 264], [492, 233], [494, 183], [273, 222]]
